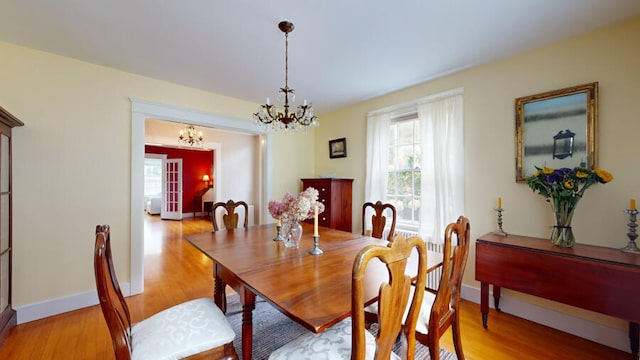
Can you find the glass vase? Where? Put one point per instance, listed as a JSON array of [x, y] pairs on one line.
[[562, 234], [292, 232]]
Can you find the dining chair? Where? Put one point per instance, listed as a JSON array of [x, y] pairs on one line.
[[378, 220], [441, 308], [230, 219], [349, 338], [194, 329]]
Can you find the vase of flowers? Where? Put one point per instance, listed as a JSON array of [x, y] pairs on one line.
[[563, 188], [291, 210]]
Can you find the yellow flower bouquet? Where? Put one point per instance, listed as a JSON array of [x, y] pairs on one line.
[[563, 188]]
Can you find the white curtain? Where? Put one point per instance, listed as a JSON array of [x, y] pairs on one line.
[[441, 123], [377, 156]]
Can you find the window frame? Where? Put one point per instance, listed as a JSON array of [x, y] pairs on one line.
[[407, 115]]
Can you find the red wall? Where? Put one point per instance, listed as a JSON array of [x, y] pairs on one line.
[[195, 163]]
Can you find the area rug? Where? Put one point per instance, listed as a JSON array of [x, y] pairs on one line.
[[272, 329]]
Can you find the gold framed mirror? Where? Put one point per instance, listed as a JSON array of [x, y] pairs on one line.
[[556, 129]]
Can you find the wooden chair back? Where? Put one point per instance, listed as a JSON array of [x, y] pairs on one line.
[[378, 220], [230, 219], [114, 307], [393, 297], [445, 308]]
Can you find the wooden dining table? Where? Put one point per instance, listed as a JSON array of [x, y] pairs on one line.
[[313, 290]]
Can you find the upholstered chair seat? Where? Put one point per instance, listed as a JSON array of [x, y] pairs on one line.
[[333, 343], [181, 331], [422, 326]]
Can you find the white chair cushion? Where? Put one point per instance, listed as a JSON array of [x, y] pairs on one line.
[[333, 343], [422, 325], [180, 331]]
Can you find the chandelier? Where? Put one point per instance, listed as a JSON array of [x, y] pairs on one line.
[[268, 115], [188, 136]]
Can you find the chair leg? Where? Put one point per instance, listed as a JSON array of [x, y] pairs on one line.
[[434, 350], [457, 340]]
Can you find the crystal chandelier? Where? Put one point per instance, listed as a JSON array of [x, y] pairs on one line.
[[268, 115], [188, 136]]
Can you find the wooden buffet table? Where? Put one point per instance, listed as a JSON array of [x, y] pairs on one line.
[[601, 279], [313, 290]]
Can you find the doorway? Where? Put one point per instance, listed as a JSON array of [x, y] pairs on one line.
[[141, 110]]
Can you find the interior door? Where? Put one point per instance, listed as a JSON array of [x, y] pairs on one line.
[[171, 189]]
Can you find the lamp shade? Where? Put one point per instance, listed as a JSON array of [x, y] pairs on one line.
[[205, 178]]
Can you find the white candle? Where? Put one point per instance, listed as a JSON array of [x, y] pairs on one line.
[[268, 101], [315, 220]]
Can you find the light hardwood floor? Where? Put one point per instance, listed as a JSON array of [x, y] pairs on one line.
[[176, 272]]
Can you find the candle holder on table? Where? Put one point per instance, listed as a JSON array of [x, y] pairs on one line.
[[316, 250], [278, 233], [499, 220], [631, 246]]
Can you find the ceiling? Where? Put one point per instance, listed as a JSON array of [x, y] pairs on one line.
[[340, 53]]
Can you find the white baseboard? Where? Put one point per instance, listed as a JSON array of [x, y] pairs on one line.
[[590, 330], [61, 305]]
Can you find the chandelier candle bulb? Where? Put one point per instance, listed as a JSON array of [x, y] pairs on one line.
[[632, 204], [499, 202]]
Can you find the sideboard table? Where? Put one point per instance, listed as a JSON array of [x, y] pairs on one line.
[[596, 278]]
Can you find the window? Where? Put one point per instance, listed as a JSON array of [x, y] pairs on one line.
[[415, 161], [403, 176], [152, 177]]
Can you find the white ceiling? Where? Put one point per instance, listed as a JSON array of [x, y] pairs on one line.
[[341, 52]]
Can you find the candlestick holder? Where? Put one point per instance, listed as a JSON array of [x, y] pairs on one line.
[[499, 219], [278, 234], [631, 246], [316, 250]]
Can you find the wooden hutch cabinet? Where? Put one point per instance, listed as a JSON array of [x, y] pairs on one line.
[[336, 196], [7, 314]]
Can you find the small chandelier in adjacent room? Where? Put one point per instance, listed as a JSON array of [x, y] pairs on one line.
[[269, 116], [188, 136]]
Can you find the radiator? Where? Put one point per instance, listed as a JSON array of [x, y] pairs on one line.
[[240, 211], [433, 277]]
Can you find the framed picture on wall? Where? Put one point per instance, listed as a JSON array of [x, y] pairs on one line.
[[338, 148], [556, 129]]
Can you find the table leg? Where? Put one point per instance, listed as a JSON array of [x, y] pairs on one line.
[[634, 338], [496, 297], [219, 295], [248, 300], [484, 302]]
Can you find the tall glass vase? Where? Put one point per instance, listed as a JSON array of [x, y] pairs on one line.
[[292, 232], [562, 234]]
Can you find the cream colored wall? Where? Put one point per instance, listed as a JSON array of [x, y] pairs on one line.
[[72, 163], [609, 56]]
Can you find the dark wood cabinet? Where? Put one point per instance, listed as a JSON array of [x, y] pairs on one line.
[[591, 277], [336, 196], [7, 314]]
